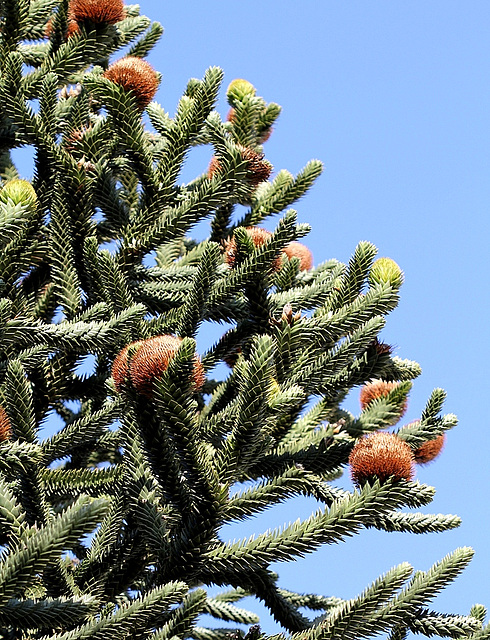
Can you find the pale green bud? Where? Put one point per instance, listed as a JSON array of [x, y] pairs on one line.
[[386, 271], [19, 192], [238, 89]]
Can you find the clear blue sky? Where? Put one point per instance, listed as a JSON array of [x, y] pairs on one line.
[[394, 98]]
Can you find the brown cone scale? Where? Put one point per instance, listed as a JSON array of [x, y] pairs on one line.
[[381, 348], [259, 169], [214, 167], [265, 135], [382, 456]]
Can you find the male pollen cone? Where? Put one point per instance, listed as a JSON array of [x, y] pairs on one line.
[[298, 250], [72, 27], [381, 455], [96, 11], [5, 426], [120, 366], [430, 449], [214, 167], [136, 75], [378, 389], [258, 169], [381, 348], [258, 236], [149, 361]]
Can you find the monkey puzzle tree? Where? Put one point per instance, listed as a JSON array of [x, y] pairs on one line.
[[111, 527]]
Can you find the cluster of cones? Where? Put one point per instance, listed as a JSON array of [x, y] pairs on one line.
[[259, 237], [90, 12], [383, 455], [258, 169], [379, 454], [131, 73]]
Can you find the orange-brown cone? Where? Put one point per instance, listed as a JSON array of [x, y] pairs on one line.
[[120, 366], [377, 389], [5, 426], [382, 456], [430, 450], [136, 75], [381, 348], [75, 137], [258, 236], [97, 11], [231, 358], [258, 169], [48, 29], [297, 250], [266, 134], [72, 27], [214, 167], [152, 359]]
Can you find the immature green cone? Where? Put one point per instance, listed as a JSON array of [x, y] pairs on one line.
[[19, 192], [385, 270], [238, 89]]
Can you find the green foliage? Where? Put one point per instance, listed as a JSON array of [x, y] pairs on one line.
[[111, 527]]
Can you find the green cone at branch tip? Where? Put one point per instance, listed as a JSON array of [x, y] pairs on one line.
[[19, 192], [386, 270], [238, 89]]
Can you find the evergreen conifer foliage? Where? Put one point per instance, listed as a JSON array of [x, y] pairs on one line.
[[110, 528]]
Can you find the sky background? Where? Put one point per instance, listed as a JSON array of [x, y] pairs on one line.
[[394, 98]]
